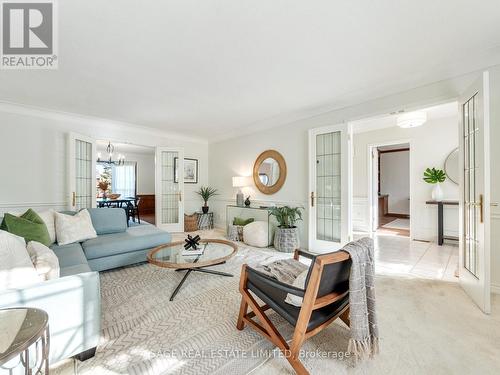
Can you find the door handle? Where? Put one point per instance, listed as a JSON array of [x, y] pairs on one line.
[[480, 207], [73, 199], [312, 199], [180, 196]]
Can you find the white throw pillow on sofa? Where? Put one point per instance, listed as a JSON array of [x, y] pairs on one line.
[[256, 234], [75, 228], [44, 259], [16, 269]]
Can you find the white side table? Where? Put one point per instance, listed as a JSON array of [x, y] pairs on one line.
[[25, 331]]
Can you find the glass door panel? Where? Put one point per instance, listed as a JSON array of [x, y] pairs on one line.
[[329, 186], [475, 253], [170, 189], [82, 177]]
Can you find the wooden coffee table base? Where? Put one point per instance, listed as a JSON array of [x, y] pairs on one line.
[[197, 269]]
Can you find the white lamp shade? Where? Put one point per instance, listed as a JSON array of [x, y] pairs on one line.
[[240, 181], [412, 119]]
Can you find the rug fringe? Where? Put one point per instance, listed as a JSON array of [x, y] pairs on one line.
[[365, 348]]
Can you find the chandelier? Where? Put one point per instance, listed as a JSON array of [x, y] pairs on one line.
[[110, 149]]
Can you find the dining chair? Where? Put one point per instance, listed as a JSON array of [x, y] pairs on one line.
[[133, 209]]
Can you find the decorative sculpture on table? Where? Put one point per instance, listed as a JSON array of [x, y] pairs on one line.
[[192, 242]]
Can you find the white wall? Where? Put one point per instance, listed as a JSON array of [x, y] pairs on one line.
[[429, 144], [236, 156], [395, 180], [33, 155]]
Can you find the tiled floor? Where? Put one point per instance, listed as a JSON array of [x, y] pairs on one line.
[[401, 256], [397, 255]]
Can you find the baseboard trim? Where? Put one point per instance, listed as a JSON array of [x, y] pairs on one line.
[[495, 288]]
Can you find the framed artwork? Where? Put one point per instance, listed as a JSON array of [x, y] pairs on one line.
[[190, 171]]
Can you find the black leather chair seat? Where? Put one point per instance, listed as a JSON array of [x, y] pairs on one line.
[[275, 298]]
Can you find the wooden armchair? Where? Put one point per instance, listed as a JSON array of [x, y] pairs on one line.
[[325, 298]]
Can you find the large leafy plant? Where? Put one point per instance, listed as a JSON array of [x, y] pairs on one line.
[[433, 175], [207, 192], [287, 216]]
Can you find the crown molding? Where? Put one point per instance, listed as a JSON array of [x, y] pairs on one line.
[[63, 117]]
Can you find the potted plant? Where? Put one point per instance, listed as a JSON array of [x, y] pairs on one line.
[[206, 193], [286, 237], [436, 177]]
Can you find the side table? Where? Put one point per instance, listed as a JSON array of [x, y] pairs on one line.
[[205, 221], [21, 329], [440, 206]]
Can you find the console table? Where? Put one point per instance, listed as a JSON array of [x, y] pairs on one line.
[[440, 206]]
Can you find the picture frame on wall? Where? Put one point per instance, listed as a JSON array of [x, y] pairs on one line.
[[190, 171]]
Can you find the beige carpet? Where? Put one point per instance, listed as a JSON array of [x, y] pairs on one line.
[[426, 327]]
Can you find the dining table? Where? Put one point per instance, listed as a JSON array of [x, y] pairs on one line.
[[120, 202]]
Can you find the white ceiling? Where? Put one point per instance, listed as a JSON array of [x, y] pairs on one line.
[[389, 121], [213, 68]]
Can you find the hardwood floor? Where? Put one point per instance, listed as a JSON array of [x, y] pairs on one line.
[[386, 219], [149, 218]]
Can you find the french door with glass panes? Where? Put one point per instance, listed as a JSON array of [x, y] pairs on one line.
[[82, 181], [170, 188], [474, 257], [329, 188]]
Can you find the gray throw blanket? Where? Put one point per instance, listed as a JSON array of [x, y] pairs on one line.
[[363, 319]]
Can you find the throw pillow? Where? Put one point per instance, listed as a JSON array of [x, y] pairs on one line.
[[48, 218], [288, 271], [299, 282], [16, 269], [44, 259], [75, 228], [29, 225], [242, 222]]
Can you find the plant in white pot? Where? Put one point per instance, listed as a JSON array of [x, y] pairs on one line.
[[436, 177], [286, 237]]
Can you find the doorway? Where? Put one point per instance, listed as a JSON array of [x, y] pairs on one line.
[[391, 189], [125, 175]]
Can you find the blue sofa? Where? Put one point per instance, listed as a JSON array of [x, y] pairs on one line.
[[73, 301]]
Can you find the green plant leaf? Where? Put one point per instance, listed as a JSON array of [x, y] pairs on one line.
[[287, 216], [433, 175]]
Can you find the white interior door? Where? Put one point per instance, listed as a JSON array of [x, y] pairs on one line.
[[374, 187], [169, 189], [82, 181], [329, 187], [474, 262]]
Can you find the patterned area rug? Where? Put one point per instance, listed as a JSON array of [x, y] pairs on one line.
[[145, 333], [426, 327]]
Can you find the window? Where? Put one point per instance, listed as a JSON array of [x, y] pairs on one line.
[[120, 178]]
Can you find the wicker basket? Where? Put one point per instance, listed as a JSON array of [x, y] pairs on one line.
[[191, 222]]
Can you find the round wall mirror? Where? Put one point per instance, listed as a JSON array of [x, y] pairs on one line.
[[269, 172], [451, 166]]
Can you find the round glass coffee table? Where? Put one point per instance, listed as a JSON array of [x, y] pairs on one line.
[[174, 256]]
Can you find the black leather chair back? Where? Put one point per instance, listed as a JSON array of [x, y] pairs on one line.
[[334, 278]]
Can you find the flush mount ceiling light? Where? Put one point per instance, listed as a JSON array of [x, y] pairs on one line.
[[412, 119]]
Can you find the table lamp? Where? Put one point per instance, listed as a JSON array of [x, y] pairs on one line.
[[240, 182]]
